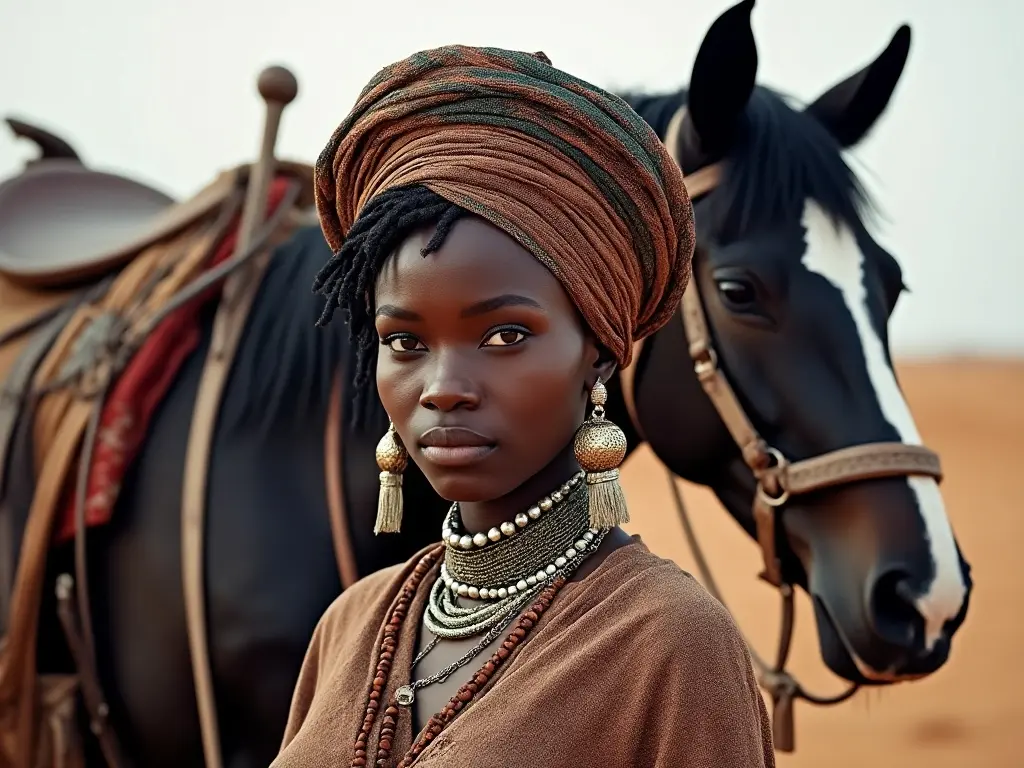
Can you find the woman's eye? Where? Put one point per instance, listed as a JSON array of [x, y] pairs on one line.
[[404, 344], [505, 338]]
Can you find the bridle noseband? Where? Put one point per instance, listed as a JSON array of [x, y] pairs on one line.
[[778, 479]]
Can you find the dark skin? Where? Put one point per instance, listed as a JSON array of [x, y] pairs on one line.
[[485, 369]]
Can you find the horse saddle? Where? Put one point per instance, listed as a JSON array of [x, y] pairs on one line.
[[63, 223]]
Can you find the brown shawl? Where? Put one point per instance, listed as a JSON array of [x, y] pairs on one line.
[[634, 665]]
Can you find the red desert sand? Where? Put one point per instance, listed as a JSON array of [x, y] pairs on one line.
[[971, 712]]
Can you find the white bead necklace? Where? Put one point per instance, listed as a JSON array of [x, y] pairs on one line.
[[453, 536], [477, 591]]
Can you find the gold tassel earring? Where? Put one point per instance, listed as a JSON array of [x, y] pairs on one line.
[[600, 447], [392, 458]]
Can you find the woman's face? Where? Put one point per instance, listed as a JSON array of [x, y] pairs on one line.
[[484, 365]]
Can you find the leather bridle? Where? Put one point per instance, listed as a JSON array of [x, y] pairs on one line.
[[778, 478]]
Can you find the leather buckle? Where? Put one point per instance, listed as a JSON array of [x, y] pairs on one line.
[[705, 362]]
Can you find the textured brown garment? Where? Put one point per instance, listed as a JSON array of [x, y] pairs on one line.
[[634, 665]]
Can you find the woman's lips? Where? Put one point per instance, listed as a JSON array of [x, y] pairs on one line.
[[454, 446], [455, 456]]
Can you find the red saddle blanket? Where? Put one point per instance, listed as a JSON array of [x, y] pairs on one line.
[[138, 391]]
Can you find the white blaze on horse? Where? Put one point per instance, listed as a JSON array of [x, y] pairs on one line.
[[832, 252]]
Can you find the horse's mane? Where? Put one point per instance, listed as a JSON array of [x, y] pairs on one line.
[[782, 157]]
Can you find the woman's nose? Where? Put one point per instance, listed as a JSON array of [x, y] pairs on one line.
[[449, 390]]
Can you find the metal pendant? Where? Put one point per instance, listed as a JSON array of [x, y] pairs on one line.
[[405, 695]]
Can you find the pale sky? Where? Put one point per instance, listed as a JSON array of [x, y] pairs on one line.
[[165, 92]]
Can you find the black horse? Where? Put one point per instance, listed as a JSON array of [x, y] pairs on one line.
[[797, 296]]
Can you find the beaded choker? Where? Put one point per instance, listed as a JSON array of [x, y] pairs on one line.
[[545, 545], [452, 532], [508, 575]]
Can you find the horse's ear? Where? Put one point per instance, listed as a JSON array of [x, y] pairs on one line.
[[850, 108], [722, 80]]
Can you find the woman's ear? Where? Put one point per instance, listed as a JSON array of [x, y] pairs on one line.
[[604, 366], [601, 362]]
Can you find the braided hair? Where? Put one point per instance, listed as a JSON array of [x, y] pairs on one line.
[[347, 280]]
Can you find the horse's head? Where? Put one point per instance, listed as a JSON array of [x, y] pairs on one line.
[[797, 296]]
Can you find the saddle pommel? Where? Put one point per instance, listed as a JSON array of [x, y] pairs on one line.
[[277, 85]]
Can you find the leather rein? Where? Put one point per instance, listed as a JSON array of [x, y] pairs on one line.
[[778, 478]]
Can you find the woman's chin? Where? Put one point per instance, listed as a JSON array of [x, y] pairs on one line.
[[470, 487], [464, 487], [463, 475]]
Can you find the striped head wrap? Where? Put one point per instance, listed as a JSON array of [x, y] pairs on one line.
[[567, 169]]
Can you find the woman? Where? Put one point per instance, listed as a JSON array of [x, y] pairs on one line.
[[503, 233]]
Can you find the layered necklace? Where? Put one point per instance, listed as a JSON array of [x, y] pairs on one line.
[[502, 572]]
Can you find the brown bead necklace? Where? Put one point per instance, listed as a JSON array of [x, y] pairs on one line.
[[466, 693]]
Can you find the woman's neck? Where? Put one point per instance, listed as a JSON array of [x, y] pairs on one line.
[[484, 515]]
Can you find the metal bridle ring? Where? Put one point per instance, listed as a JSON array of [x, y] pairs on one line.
[[762, 494]]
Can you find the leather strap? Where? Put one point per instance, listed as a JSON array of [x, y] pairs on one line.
[[29, 324], [88, 677], [704, 179], [17, 677], [78, 630], [231, 318], [859, 462], [12, 400], [229, 323], [15, 388], [705, 365], [333, 474]]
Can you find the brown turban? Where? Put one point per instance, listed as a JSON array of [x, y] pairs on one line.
[[568, 170]]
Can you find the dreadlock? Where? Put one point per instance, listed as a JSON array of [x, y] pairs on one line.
[[347, 280]]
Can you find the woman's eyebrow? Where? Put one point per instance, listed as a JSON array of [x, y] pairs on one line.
[[397, 313], [499, 302]]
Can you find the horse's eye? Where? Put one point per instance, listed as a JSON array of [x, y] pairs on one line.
[[738, 294]]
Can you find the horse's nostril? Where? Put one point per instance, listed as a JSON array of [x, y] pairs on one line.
[[893, 612]]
